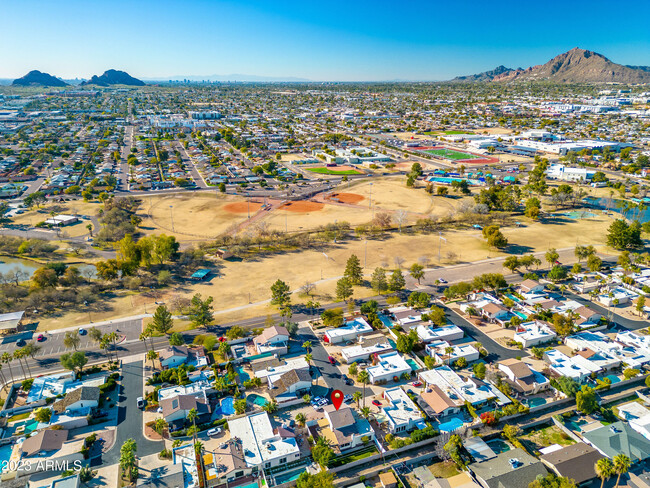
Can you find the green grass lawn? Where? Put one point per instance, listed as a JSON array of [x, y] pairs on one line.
[[327, 171], [450, 154], [547, 437], [447, 132], [444, 469], [20, 416]]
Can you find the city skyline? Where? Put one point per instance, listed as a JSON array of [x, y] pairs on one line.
[[356, 42]]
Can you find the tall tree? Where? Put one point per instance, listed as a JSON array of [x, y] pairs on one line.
[[162, 320], [397, 281], [604, 470], [363, 378], [417, 271], [353, 270], [622, 464], [200, 311]]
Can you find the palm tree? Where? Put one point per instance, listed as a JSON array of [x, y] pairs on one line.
[[6, 359], [191, 416], [160, 425], [604, 469], [356, 396], [198, 453], [2, 375], [24, 352], [449, 350], [621, 465], [307, 345], [152, 356], [112, 338], [18, 354], [364, 378], [301, 419], [365, 412]]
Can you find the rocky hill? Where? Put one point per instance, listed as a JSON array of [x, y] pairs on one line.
[[37, 78], [114, 77], [574, 66]]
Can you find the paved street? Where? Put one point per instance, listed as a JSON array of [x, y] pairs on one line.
[[129, 417]]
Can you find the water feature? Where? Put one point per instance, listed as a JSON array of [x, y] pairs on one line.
[[8, 264], [227, 406], [618, 207], [5, 454]]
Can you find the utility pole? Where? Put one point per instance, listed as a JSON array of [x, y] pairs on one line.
[[171, 215]]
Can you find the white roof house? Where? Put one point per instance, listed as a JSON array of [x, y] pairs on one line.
[[360, 352], [402, 414], [438, 351], [390, 365], [445, 333], [617, 352], [575, 367], [455, 387], [350, 331], [533, 333], [261, 447]]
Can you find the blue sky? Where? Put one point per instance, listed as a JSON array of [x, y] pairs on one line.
[[332, 40]]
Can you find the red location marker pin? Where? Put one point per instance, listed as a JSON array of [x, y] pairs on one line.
[[337, 398]]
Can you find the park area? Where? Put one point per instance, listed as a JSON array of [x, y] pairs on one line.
[[334, 170], [455, 155]]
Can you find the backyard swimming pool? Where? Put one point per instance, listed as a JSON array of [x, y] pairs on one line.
[[385, 320], [227, 406], [290, 476], [256, 399], [5, 454], [536, 402], [613, 378], [243, 375], [498, 446]]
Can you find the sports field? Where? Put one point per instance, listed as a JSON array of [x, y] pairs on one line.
[[328, 171], [451, 154]]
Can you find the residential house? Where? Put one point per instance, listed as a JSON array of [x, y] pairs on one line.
[[225, 464], [533, 333], [494, 312], [48, 444], [172, 477], [262, 447], [290, 385], [587, 317], [618, 438], [176, 355], [576, 462], [530, 287], [512, 469], [437, 404], [401, 413], [575, 367], [438, 351], [274, 339], [176, 409], [389, 366], [457, 388], [271, 370], [428, 333], [348, 332], [369, 345], [81, 399], [524, 379], [344, 429]]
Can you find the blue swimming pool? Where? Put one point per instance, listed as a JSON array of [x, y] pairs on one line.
[[613, 378], [385, 320], [536, 402], [451, 425], [289, 476], [521, 315], [512, 297], [5, 454], [243, 375], [227, 406]]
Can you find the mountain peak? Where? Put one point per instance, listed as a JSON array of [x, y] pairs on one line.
[[114, 77], [574, 66], [38, 78]]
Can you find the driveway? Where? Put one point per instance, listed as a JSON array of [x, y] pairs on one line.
[[129, 416]]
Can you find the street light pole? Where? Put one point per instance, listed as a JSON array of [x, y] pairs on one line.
[[171, 215]]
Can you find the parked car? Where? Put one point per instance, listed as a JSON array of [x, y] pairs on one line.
[[40, 338], [82, 331], [347, 398], [349, 381], [331, 360], [140, 402], [214, 432], [20, 342], [417, 384], [442, 280], [377, 403]]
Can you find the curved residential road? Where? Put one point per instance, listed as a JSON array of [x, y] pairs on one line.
[[129, 416]]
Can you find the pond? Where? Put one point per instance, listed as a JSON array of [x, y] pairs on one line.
[[8, 264], [619, 207]]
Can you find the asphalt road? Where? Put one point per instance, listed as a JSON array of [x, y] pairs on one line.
[[328, 373], [129, 416]]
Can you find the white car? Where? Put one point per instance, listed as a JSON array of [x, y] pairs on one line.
[[442, 280], [214, 432]]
